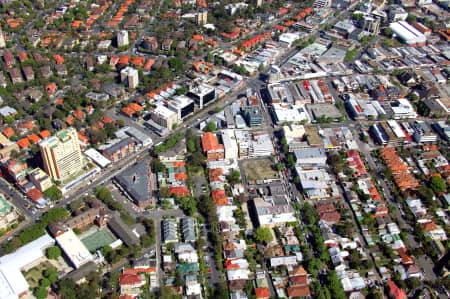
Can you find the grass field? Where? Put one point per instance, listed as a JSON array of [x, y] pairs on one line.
[[34, 275], [259, 170], [98, 240]]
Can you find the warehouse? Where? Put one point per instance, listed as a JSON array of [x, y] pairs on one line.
[[408, 34]]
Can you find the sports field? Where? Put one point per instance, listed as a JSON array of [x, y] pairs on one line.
[[98, 240]]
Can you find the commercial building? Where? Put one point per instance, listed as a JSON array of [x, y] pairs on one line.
[[141, 138], [423, 132], [61, 154], [74, 249], [202, 94], [273, 211], [12, 282], [230, 145], [402, 109], [182, 105], [165, 117], [40, 179], [311, 156], [136, 181], [408, 34], [253, 116], [120, 149], [130, 77], [122, 38]]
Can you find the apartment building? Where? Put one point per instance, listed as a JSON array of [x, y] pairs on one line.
[[61, 154]]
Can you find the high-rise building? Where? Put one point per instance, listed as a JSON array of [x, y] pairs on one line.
[[122, 38], [202, 17], [130, 76], [61, 154], [2, 39]]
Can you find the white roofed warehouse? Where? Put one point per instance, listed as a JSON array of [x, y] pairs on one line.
[[408, 34]]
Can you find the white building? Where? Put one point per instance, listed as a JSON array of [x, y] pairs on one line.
[[287, 39], [290, 113], [270, 212], [74, 249], [130, 77], [403, 109], [230, 145], [182, 105], [12, 283], [98, 158], [202, 94], [311, 156], [165, 117], [408, 34], [2, 39], [122, 38]]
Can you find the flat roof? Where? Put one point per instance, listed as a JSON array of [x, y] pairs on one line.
[[97, 157], [74, 248]]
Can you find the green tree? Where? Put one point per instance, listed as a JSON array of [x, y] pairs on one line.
[[53, 252], [438, 184], [387, 31], [411, 18], [263, 235], [41, 293], [53, 193], [211, 127], [157, 165]]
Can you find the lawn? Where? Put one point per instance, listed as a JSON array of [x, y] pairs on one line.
[[259, 170], [34, 275]]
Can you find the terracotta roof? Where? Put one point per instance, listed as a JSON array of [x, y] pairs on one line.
[[221, 201], [181, 191], [35, 138], [429, 226], [218, 193], [44, 134], [78, 114], [23, 143], [34, 194], [262, 292], [210, 142], [135, 107], [128, 111], [396, 292], [59, 101], [129, 279], [299, 291], [69, 120], [8, 132], [298, 280]]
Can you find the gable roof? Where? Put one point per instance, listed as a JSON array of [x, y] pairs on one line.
[[262, 292]]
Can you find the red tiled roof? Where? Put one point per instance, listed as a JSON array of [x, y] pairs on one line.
[[135, 107], [78, 114], [44, 134], [210, 142], [34, 194], [262, 292], [35, 138], [298, 280], [299, 291], [396, 292], [23, 143], [107, 120], [181, 191], [218, 193], [129, 279], [8, 132], [128, 111], [69, 120]]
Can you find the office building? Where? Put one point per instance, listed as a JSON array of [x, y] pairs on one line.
[[130, 77], [253, 116], [122, 38], [202, 94], [165, 117], [61, 154], [182, 105]]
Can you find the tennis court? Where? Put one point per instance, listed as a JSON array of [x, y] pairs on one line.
[[98, 240]]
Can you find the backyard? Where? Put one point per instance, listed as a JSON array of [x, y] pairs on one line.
[[36, 274]]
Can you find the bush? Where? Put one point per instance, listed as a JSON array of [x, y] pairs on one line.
[[53, 193], [53, 252]]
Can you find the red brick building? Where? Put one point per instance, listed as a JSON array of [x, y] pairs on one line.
[[213, 150]]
